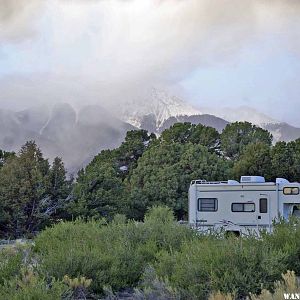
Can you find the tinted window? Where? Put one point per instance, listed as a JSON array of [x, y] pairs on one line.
[[291, 190], [242, 207], [263, 205], [207, 204], [237, 207]]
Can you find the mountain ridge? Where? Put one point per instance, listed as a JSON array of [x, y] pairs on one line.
[[63, 132], [146, 116], [77, 136]]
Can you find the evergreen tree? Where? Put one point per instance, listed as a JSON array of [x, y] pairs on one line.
[[28, 189], [196, 134], [59, 189], [254, 160], [22, 188], [100, 190], [294, 149], [282, 161], [164, 173], [236, 136], [5, 156], [59, 185]]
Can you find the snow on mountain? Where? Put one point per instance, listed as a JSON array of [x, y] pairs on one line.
[[281, 131], [159, 105], [241, 113], [158, 110], [156, 107]]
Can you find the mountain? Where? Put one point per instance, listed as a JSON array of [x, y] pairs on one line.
[[77, 136], [281, 131], [61, 131], [154, 109], [205, 119], [158, 110], [241, 113]]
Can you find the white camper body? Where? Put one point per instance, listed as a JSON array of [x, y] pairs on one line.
[[241, 207]]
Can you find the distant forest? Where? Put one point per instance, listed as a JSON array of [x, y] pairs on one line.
[[144, 171]]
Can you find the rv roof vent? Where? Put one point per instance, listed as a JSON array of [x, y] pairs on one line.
[[252, 179], [233, 182], [281, 180]]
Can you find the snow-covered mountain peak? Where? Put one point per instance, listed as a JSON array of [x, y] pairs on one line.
[[160, 105]]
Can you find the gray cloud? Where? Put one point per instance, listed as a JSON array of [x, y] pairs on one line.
[[108, 50], [17, 18]]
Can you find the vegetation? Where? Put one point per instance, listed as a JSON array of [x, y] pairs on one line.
[[236, 136], [96, 237], [144, 171], [155, 259], [85, 249], [31, 192], [289, 286]]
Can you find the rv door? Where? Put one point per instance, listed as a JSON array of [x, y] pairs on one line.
[[264, 212]]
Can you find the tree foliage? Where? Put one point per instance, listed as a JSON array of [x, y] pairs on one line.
[[236, 136], [29, 191], [145, 171], [254, 160], [101, 190], [164, 173], [191, 133], [142, 172], [5, 157]]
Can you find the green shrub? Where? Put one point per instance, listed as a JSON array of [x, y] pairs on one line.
[[10, 263], [113, 254], [152, 288], [186, 265], [75, 249], [29, 286], [231, 265], [289, 285], [286, 239]]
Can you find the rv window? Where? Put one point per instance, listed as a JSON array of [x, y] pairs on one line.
[[207, 204], [291, 190], [237, 207], [242, 207], [263, 205]]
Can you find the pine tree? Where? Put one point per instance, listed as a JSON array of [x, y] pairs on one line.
[[236, 136], [29, 191]]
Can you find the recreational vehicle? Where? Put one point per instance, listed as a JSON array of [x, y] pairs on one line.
[[241, 207]]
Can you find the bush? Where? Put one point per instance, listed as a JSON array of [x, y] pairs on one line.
[[152, 288], [29, 286], [238, 266], [289, 285], [164, 259], [114, 254], [286, 239], [10, 264]]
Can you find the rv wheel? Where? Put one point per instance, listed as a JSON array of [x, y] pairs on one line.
[[229, 234]]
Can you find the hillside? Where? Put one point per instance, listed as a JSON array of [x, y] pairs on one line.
[[76, 137], [157, 110]]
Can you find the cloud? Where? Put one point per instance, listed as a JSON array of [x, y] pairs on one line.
[[17, 18], [110, 50]]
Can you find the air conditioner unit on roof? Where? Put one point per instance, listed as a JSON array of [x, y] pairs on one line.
[[252, 179]]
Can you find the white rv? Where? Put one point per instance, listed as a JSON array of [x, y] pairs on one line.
[[241, 207]]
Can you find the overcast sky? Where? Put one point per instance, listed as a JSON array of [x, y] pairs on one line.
[[211, 52]]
